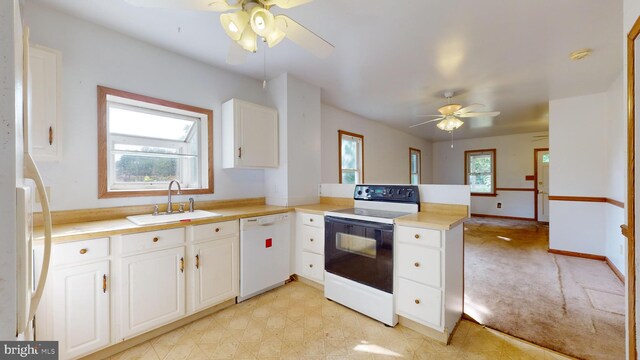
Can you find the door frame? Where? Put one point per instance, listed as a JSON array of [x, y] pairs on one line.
[[628, 230], [535, 181]]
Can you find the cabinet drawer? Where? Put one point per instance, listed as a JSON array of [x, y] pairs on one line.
[[152, 240], [214, 231], [313, 266], [80, 251], [419, 236], [420, 264], [313, 220], [419, 302], [313, 239]]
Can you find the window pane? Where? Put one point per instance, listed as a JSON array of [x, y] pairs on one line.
[[414, 163], [480, 164], [480, 183], [349, 154], [139, 123], [141, 148], [348, 177], [146, 169], [414, 179], [545, 158]]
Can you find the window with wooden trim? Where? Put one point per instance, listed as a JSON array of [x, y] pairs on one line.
[[415, 169], [480, 171], [350, 157], [145, 142]]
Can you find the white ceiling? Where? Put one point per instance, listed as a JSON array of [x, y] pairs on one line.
[[394, 59]]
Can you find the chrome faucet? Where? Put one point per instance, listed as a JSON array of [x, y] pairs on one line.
[[170, 204]]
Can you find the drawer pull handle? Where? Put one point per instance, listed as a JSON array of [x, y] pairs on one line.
[[416, 264], [417, 301], [155, 239], [197, 261], [417, 236], [217, 229], [181, 264], [310, 265], [83, 251], [104, 283]]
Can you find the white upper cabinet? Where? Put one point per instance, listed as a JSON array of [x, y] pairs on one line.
[[45, 79], [249, 135]]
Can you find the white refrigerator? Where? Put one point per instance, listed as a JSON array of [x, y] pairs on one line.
[[21, 288]]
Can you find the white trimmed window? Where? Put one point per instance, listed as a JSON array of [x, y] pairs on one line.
[[351, 156], [480, 169], [149, 142], [415, 171]]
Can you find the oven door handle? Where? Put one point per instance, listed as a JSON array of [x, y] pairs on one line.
[[356, 222]]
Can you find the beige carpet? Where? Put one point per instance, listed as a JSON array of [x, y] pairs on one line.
[[572, 305]]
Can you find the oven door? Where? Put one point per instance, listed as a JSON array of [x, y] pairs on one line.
[[360, 250]]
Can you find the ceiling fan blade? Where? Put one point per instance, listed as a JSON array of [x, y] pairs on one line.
[[236, 54], [199, 5], [426, 122], [284, 4], [469, 108], [304, 37], [479, 114], [439, 115]]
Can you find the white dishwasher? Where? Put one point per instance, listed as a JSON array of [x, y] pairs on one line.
[[264, 254]]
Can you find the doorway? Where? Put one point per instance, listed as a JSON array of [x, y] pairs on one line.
[[541, 184]]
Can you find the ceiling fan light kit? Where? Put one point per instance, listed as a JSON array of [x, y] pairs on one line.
[[450, 114], [249, 20]]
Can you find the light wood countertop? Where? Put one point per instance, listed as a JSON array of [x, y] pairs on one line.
[[319, 209], [99, 229], [432, 220]]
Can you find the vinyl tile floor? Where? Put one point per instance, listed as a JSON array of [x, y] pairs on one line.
[[295, 321]]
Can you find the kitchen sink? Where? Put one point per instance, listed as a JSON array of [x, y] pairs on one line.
[[163, 218]]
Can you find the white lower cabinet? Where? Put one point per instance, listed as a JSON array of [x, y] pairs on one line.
[[214, 268], [152, 290], [80, 308], [309, 246]]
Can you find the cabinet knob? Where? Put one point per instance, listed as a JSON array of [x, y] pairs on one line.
[[83, 251], [417, 236], [155, 239], [310, 265], [416, 264], [217, 229], [417, 301], [311, 239], [311, 220]]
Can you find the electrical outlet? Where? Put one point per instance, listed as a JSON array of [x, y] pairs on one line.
[[48, 190], [499, 205]]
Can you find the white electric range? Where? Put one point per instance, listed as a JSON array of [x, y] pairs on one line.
[[359, 249]]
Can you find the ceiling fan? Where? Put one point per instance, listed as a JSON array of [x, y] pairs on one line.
[[450, 114], [246, 20]]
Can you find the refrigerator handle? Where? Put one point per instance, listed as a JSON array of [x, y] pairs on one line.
[[31, 172]]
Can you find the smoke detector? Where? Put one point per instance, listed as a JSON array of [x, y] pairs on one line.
[[580, 54]]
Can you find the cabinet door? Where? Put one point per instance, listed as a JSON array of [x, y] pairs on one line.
[[81, 309], [44, 73], [153, 290], [216, 266], [257, 135]]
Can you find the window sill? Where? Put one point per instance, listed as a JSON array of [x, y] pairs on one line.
[[483, 194], [136, 193]]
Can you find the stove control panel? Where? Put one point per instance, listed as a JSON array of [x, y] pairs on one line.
[[391, 193]]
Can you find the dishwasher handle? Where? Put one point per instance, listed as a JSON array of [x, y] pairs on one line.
[[266, 220]]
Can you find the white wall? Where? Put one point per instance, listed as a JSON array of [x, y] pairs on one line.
[[296, 180], [386, 150], [616, 162], [93, 55], [514, 161], [588, 147]]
